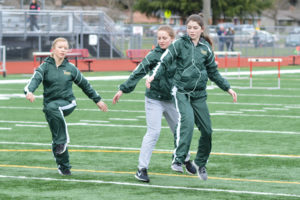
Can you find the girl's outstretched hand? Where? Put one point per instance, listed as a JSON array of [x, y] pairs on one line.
[[102, 106], [117, 96], [233, 94], [30, 97]]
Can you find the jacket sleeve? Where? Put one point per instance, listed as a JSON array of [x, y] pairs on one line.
[[140, 71], [166, 60], [86, 87], [36, 79], [213, 73]]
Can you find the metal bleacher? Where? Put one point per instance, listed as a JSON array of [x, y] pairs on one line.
[[76, 26]]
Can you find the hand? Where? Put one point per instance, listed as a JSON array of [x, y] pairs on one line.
[[148, 81], [102, 106], [117, 96], [30, 97], [233, 94]]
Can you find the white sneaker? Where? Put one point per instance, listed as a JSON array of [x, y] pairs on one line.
[[177, 167]]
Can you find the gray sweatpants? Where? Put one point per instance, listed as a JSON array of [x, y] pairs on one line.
[[154, 111]]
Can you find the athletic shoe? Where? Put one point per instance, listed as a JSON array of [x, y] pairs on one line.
[[65, 172], [177, 167], [201, 172], [190, 168], [142, 175], [60, 148]]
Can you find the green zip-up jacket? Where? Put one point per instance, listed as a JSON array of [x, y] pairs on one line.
[[161, 87], [194, 65], [57, 81]]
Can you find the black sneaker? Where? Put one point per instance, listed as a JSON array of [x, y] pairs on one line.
[[60, 148], [142, 175], [177, 167], [201, 171], [65, 172], [190, 168]]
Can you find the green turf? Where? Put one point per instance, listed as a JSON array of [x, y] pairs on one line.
[[255, 155]]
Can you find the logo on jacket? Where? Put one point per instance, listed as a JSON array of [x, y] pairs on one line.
[[203, 52], [66, 72]]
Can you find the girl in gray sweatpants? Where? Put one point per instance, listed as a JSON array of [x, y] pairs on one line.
[[158, 100]]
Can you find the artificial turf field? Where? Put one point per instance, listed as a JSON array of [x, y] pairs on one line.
[[255, 153]]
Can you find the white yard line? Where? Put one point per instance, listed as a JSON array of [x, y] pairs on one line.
[[35, 123], [4, 128], [155, 150], [48, 179], [20, 95], [124, 77], [31, 125], [122, 119]]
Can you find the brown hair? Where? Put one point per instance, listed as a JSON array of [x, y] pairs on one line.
[[199, 19], [59, 39], [168, 29]]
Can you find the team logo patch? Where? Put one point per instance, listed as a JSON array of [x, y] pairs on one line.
[[203, 52], [66, 72]]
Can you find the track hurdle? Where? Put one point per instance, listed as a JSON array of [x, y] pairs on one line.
[[3, 60], [278, 60], [230, 53]]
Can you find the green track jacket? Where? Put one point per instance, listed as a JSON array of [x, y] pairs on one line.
[[160, 88], [194, 65], [57, 81]]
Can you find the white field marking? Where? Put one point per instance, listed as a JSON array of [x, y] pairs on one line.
[[126, 111], [261, 88], [22, 122], [259, 95], [31, 125], [252, 104], [108, 100], [250, 110], [270, 116], [143, 101], [142, 111], [155, 150], [143, 117], [275, 108], [4, 128], [96, 121], [164, 127], [293, 107], [124, 77], [228, 111], [255, 131], [107, 125], [151, 186], [122, 119], [213, 114]]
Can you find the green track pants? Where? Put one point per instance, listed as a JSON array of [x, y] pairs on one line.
[[192, 111], [55, 113]]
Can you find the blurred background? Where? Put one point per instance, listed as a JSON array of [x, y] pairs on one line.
[[107, 28]]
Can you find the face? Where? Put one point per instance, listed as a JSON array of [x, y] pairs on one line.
[[194, 30], [60, 49], [163, 39]]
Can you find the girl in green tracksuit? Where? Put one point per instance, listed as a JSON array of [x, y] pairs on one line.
[[158, 102], [195, 63], [57, 76]]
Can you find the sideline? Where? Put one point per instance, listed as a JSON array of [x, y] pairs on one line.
[[124, 77], [150, 186]]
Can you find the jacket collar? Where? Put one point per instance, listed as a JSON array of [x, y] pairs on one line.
[[51, 61]]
